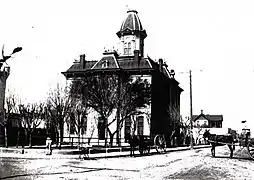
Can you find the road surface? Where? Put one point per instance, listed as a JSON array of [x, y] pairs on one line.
[[190, 164]]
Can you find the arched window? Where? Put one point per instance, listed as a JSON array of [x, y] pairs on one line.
[[104, 64], [129, 48], [125, 48]]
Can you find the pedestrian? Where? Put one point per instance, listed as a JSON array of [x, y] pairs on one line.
[[48, 146]]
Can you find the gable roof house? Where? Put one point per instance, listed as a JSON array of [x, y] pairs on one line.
[[130, 60], [207, 120], [203, 122]]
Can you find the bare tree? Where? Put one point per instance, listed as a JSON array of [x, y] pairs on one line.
[[79, 113], [57, 110], [175, 123], [106, 93], [32, 115], [78, 116], [198, 132], [185, 126], [134, 94], [100, 94]]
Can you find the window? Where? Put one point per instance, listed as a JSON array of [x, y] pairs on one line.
[[127, 48], [101, 129], [127, 128], [104, 63], [140, 120], [83, 124], [213, 124], [72, 124]]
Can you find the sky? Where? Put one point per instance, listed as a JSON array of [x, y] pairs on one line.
[[213, 39]]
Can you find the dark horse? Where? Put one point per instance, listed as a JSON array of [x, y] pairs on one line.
[[216, 140], [134, 141]]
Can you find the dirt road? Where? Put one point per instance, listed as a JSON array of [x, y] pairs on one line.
[[191, 164]]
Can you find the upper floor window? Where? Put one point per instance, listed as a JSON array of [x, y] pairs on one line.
[[104, 64], [127, 48]]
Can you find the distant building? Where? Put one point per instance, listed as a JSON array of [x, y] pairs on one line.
[[129, 60], [203, 122], [16, 133], [207, 121]]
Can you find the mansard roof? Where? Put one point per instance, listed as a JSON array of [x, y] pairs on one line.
[[111, 62]]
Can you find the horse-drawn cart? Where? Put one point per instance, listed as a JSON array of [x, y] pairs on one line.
[[243, 140], [145, 143]]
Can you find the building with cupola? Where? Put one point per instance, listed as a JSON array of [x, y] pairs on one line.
[[158, 117]]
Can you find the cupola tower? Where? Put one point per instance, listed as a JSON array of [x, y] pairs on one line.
[[131, 35]]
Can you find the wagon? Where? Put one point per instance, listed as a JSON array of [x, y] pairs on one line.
[[243, 140], [145, 143]]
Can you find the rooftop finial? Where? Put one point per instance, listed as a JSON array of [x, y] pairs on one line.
[[127, 7]]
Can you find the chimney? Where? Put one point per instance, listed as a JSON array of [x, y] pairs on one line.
[[83, 60], [201, 111], [136, 56], [160, 65]]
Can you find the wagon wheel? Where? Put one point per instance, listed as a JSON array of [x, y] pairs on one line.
[[250, 148], [160, 143]]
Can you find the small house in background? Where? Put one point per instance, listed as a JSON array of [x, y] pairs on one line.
[[207, 121], [203, 122]]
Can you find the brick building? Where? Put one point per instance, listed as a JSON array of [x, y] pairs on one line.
[[130, 60]]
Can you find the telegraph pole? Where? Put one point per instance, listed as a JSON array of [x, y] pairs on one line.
[[191, 124]]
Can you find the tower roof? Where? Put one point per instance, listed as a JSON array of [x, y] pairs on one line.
[[131, 25], [132, 21]]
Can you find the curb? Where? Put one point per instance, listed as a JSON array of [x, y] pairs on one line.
[[63, 154]]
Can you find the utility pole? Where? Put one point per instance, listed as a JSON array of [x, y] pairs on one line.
[[191, 123]]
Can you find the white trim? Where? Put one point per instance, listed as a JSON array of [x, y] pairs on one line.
[[96, 63], [149, 63], [123, 23], [133, 21], [166, 71], [117, 65]]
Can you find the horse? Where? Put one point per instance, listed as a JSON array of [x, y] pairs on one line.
[[133, 140], [216, 140], [137, 140]]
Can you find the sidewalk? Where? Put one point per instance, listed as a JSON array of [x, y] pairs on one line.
[[40, 153]]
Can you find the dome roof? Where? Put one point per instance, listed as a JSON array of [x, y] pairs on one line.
[[132, 25], [132, 21]]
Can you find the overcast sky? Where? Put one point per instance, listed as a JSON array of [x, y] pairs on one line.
[[214, 39]]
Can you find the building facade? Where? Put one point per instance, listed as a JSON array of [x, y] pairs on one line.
[[129, 60]]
